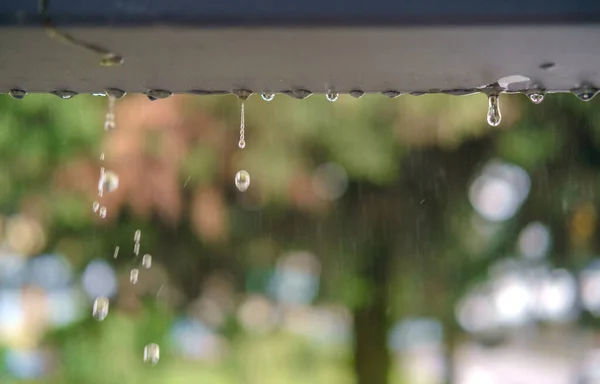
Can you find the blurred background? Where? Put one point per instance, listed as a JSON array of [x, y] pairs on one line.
[[380, 241]]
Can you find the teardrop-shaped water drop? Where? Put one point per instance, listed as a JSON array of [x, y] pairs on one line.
[[242, 180], [267, 96], [133, 275], [585, 93], [109, 181], [65, 94], [357, 93], [102, 212], [147, 261], [332, 96], [100, 308], [536, 97], [136, 249], [151, 353], [155, 94], [493, 115], [137, 236], [300, 94], [112, 60], [17, 94], [391, 94]]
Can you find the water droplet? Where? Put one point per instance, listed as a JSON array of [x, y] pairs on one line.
[[133, 275], [242, 142], [65, 94], [136, 249], [102, 156], [585, 93], [100, 309], [147, 260], [95, 206], [102, 212], [535, 96], [151, 353], [418, 93], [109, 181], [243, 94], [109, 120], [242, 180], [357, 93], [137, 236], [493, 116], [17, 93], [267, 96], [116, 253], [112, 60], [300, 94], [115, 92], [331, 96], [391, 94], [155, 94], [99, 94]]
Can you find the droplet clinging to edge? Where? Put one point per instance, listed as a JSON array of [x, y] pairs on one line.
[[535, 96], [65, 94], [242, 180], [267, 96], [493, 115], [147, 261], [133, 275], [151, 353], [100, 308], [585, 92], [17, 94], [331, 96]]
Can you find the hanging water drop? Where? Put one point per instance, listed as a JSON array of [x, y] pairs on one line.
[[242, 180], [151, 353], [136, 249], [493, 115], [585, 93], [391, 94], [17, 94], [300, 94], [100, 308], [155, 94], [102, 212], [536, 96], [137, 236], [331, 96], [116, 253], [357, 93], [242, 142], [133, 275], [147, 261], [95, 206], [267, 96], [65, 94], [109, 181]]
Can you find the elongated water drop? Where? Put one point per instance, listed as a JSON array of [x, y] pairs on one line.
[[95, 206], [242, 142], [137, 236], [65, 94], [331, 96], [100, 308], [17, 94], [109, 120], [267, 96], [116, 253], [102, 212], [102, 156], [242, 180], [109, 181], [147, 261], [136, 249], [133, 275], [151, 353], [535, 96], [493, 115]]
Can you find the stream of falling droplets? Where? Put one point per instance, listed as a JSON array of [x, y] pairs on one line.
[[242, 178]]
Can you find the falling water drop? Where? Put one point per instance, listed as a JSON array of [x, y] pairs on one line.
[[493, 115], [136, 249], [95, 206], [147, 261], [65, 94], [536, 96], [242, 142], [137, 236], [102, 156], [109, 181], [116, 253], [331, 96], [585, 93], [102, 212], [242, 180], [100, 309], [133, 275], [17, 94], [151, 353], [267, 96], [109, 120], [155, 94], [357, 93]]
